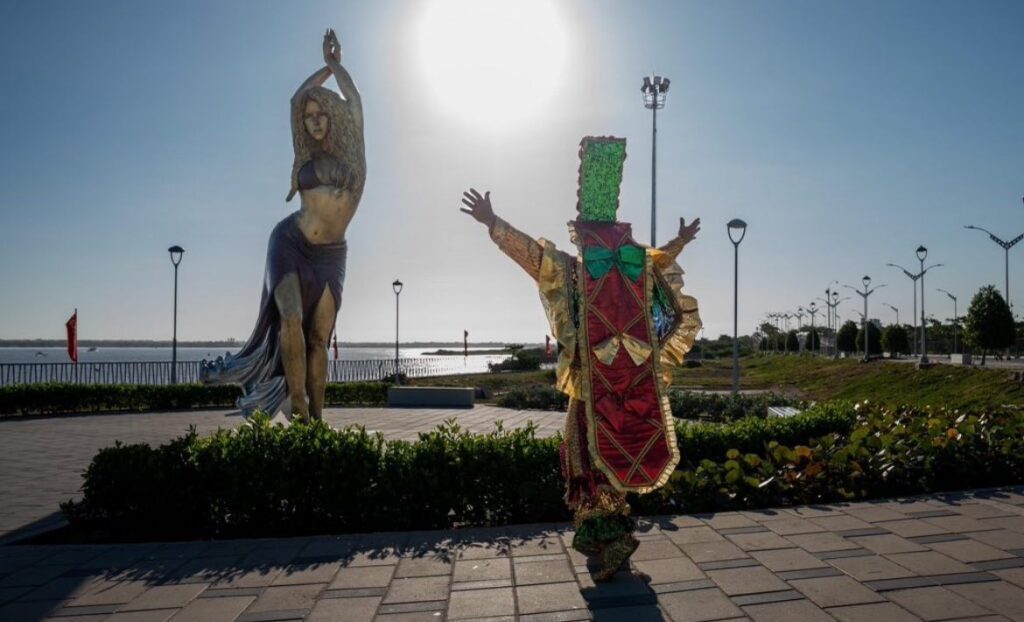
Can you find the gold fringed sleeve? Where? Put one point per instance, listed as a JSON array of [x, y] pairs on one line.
[[677, 343], [556, 290], [524, 250]]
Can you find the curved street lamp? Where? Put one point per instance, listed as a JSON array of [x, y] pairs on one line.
[[740, 227], [894, 309], [922, 254], [955, 316], [397, 287], [864, 294], [1006, 245], [654, 90], [176, 253]]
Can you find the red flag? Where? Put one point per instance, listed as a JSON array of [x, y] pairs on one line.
[[335, 346], [547, 345], [72, 326], [465, 343]]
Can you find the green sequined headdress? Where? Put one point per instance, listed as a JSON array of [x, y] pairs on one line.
[[601, 159]]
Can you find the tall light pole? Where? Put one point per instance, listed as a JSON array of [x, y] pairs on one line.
[[176, 252], [397, 287], [785, 339], [812, 311], [955, 316], [894, 309], [1006, 249], [922, 254], [799, 315], [864, 294], [913, 318], [740, 228], [654, 90]]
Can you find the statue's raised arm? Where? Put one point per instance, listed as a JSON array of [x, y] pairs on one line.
[[332, 56]]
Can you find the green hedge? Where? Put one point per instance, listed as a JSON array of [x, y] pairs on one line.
[[717, 407], [534, 397], [51, 398], [685, 404], [702, 441], [886, 453], [263, 480]]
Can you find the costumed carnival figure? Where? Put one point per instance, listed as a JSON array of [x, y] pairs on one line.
[[283, 366], [622, 324]]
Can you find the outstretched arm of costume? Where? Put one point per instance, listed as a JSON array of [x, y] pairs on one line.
[[523, 249], [332, 56], [686, 234]]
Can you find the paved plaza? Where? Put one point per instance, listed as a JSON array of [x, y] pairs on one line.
[[939, 557], [959, 557]]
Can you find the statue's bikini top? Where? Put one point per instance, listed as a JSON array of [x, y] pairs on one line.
[[307, 178]]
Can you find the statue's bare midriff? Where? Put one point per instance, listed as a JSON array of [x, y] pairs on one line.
[[326, 213]]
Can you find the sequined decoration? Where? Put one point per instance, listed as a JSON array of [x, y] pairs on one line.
[[600, 176]]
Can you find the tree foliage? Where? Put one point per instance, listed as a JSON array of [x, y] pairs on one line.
[[812, 342], [846, 340], [896, 339], [792, 342], [874, 339], [989, 324]]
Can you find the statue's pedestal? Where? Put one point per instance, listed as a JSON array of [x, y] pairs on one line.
[[431, 397]]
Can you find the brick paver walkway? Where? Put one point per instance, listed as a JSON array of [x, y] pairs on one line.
[[940, 557], [958, 557], [42, 458]]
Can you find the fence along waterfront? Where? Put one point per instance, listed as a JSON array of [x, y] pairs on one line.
[[159, 372]]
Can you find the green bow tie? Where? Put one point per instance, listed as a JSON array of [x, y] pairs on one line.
[[629, 260]]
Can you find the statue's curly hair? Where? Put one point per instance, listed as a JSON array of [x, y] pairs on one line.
[[339, 158]]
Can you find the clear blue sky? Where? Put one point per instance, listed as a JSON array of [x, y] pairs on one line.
[[845, 133]]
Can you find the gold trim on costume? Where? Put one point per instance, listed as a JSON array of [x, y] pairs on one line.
[[522, 248]]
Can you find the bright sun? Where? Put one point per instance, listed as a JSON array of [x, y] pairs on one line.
[[492, 64]]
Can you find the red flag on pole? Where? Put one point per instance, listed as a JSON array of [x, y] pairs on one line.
[[335, 346], [547, 345], [465, 343], [72, 326]]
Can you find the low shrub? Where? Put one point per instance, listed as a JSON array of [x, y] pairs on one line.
[[534, 397], [710, 441], [522, 359], [263, 480], [887, 452], [716, 407], [55, 398]]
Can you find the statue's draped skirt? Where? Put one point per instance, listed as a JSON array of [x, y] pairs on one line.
[[258, 367]]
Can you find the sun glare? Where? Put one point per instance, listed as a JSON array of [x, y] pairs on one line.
[[492, 64]]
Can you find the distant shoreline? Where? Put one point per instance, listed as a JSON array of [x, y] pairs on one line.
[[234, 343], [459, 352]]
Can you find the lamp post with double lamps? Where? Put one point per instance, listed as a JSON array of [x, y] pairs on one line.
[[812, 310], [654, 90], [913, 318], [922, 254], [740, 227], [176, 252], [864, 294], [955, 316], [397, 287], [1007, 245]]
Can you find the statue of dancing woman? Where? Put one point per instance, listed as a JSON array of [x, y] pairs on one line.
[[283, 366]]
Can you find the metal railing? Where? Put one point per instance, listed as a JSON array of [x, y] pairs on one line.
[[159, 372]]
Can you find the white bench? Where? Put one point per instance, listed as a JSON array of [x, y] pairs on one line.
[[782, 411]]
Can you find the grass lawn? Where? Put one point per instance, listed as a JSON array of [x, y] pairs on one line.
[[818, 379]]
